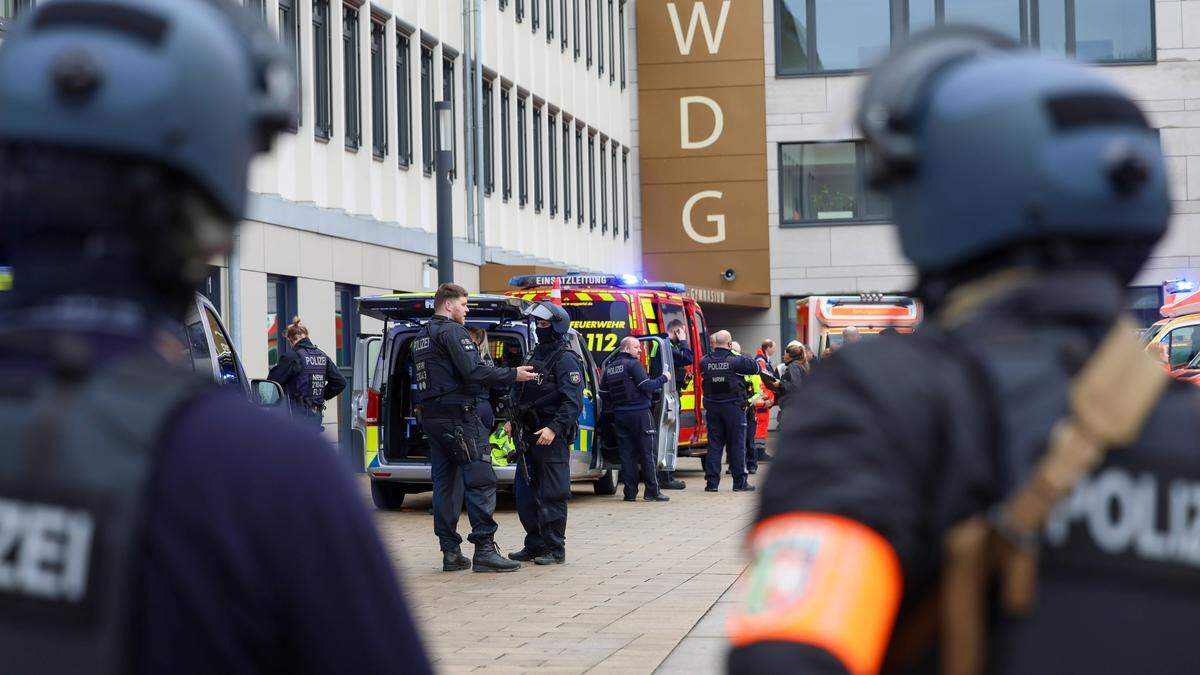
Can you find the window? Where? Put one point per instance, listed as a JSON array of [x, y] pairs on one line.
[[379, 120], [599, 37], [289, 33], [427, 135], [281, 308], [625, 185], [503, 4], [1143, 303], [403, 100], [616, 201], [345, 323], [612, 53], [562, 25], [350, 77], [821, 182], [603, 186], [537, 159], [12, 9], [521, 10], [197, 343], [323, 74], [579, 176], [549, 21], [210, 286], [831, 35], [489, 144], [1104, 31], [566, 169], [621, 23], [591, 181], [1182, 345], [587, 8], [522, 161], [575, 19], [535, 11], [505, 143], [226, 360], [448, 95], [552, 161]]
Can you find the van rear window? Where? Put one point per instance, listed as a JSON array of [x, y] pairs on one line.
[[602, 324]]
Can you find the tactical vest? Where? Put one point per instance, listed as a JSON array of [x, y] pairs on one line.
[[434, 377], [721, 383], [542, 395], [617, 387], [308, 388], [79, 447]]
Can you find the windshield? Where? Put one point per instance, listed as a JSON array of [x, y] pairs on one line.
[[601, 323], [1151, 332]]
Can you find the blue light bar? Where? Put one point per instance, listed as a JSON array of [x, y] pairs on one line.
[[610, 280]]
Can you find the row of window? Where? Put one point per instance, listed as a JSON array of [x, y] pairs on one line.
[[822, 36], [585, 9]]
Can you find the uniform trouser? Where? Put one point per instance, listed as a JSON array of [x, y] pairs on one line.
[[726, 433], [751, 431], [636, 445], [453, 480], [542, 500]]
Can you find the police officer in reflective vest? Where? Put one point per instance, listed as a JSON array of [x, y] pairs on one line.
[[549, 408], [754, 394], [681, 355], [1003, 491], [725, 411], [625, 389], [449, 376], [307, 374], [151, 521]]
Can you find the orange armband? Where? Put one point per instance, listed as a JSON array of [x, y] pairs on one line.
[[822, 580]]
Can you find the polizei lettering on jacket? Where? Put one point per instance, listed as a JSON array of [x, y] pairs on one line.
[[316, 361], [45, 551], [1135, 513]]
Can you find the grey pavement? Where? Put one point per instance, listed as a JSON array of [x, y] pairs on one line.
[[645, 587]]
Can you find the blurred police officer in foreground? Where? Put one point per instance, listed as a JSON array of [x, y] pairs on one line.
[[725, 411], [148, 521], [549, 410], [626, 389], [307, 375], [681, 354], [1018, 457], [449, 377]]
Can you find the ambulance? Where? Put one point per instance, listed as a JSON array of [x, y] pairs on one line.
[[605, 308], [821, 320], [1175, 339]]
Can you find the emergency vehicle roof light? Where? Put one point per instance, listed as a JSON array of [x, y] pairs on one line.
[[1178, 286], [630, 279], [612, 280]]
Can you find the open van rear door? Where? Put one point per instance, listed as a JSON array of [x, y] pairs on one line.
[[664, 408], [366, 353]]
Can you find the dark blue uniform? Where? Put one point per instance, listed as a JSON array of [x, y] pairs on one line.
[[230, 579], [725, 411], [449, 378], [309, 378], [554, 401], [626, 390]]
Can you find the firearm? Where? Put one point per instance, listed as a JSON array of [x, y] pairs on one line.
[[506, 406]]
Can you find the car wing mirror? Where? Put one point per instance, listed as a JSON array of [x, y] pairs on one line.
[[269, 394]]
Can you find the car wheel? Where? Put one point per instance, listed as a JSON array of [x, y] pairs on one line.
[[387, 496], [606, 485]]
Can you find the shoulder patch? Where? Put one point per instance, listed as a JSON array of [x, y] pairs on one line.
[[468, 344], [575, 377]]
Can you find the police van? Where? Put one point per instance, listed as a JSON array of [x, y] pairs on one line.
[[212, 355], [394, 450]]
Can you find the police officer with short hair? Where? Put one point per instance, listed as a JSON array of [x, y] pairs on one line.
[[681, 355], [449, 377], [548, 408], [625, 389], [150, 521], [1004, 490], [725, 411], [307, 374]]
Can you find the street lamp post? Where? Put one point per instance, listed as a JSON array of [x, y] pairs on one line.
[[445, 204]]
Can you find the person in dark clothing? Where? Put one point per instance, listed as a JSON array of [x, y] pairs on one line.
[[626, 389], [966, 494], [307, 374], [166, 525], [681, 355], [549, 407], [724, 381], [449, 377], [795, 358]]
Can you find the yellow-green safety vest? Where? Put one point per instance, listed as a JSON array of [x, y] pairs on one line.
[[502, 445]]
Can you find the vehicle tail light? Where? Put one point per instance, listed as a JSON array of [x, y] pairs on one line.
[[372, 407]]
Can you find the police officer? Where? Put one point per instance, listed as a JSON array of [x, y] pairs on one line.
[[150, 521], [996, 458], [307, 375], [681, 355], [549, 409], [725, 411], [754, 393], [626, 389], [449, 377]]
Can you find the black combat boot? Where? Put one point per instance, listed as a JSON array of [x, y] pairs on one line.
[[454, 561], [488, 559], [524, 555], [656, 498], [551, 558], [673, 484]]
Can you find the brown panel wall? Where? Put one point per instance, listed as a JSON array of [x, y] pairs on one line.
[[732, 163]]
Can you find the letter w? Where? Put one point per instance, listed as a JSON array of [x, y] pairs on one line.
[[701, 17]]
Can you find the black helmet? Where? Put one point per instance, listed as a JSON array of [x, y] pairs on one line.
[[545, 310], [984, 146]]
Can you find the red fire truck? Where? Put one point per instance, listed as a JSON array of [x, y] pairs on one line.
[[605, 308]]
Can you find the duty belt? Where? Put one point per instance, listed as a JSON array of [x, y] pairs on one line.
[[442, 411]]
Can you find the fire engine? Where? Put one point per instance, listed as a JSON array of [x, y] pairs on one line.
[[605, 308], [1175, 339], [821, 320]]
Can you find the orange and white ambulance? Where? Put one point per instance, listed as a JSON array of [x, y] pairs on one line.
[[821, 320], [1175, 339], [605, 308]]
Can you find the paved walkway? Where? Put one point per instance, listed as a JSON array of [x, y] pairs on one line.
[[639, 578]]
